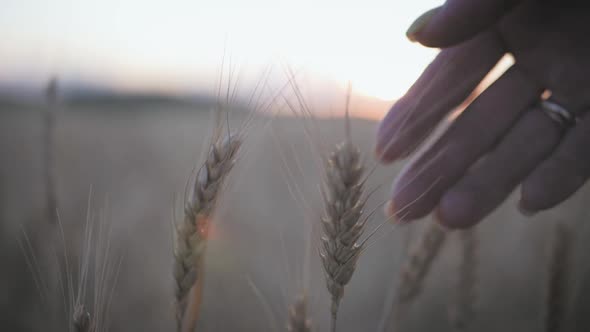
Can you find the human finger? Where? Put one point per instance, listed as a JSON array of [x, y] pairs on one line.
[[562, 174], [445, 84], [491, 180], [421, 185], [457, 21]]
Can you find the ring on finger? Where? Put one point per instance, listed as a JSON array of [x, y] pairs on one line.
[[558, 113]]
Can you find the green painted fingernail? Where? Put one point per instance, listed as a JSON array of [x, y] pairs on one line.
[[420, 23]]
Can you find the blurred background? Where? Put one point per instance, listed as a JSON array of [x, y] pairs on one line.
[[113, 142], [176, 47]]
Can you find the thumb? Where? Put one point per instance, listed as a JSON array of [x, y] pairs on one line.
[[457, 21]]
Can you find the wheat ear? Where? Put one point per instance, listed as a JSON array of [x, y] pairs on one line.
[[463, 310], [415, 269], [557, 286], [298, 319], [191, 234], [342, 222], [419, 263], [81, 319]]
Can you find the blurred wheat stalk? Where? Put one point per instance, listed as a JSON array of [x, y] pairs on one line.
[[558, 281], [420, 262], [51, 96], [463, 309], [414, 271]]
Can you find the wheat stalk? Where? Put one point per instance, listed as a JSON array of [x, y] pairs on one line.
[[419, 263], [51, 95], [191, 234], [463, 310], [415, 269], [298, 320], [342, 222], [557, 286]]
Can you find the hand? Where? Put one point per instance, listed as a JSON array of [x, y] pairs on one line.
[[503, 138]]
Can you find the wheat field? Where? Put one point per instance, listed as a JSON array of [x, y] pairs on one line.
[[133, 162]]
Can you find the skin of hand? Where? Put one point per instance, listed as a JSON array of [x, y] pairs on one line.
[[502, 139]]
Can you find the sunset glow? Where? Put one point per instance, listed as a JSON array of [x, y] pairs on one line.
[[176, 46]]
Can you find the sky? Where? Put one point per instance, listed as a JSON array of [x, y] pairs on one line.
[[176, 46]]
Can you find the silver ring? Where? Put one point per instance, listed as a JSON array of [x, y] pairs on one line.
[[558, 113]]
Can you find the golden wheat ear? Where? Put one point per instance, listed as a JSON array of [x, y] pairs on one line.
[[191, 234]]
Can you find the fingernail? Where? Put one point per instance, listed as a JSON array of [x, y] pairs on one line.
[[383, 158], [388, 212], [383, 147], [524, 211], [443, 226], [419, 24], [438, 219], [378, 151], [379, 141], [392, 217]]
